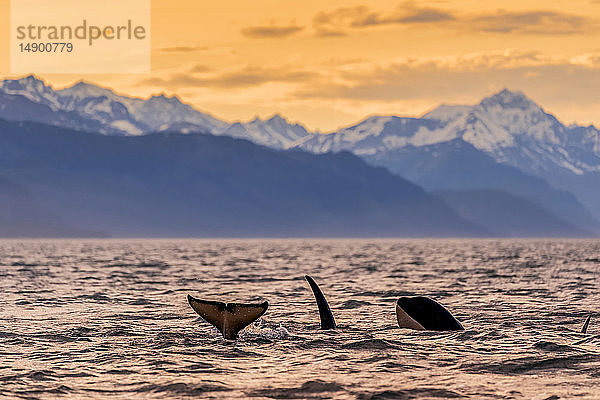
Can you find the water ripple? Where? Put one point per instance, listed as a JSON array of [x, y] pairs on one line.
[[110, 319]]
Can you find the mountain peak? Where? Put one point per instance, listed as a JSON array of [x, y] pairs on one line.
[[81, 84], [33, 88], [509, 99], [83, 89], [31, 78], [277, 118], [27, 82], [163, 97]]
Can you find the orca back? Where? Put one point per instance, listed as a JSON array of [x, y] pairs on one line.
[[427, 313]]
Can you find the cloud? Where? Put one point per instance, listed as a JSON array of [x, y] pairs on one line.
[[342, 89], [241, 78], [192, 48], [328, 32], [201, 68], [271, 31], [182, 49], [531, 22], [423, 15], [441, 80], [404, 86], [333, 23], [401, 79], [590, 60], [343, 20]]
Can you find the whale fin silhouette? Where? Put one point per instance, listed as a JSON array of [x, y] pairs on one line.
[[423, 313], [586, 324], [228, 318], [327, 321]]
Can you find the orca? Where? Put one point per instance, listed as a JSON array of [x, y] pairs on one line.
[[586, 324], [327, 320], [423, 313], [420, 313], [228, 318]]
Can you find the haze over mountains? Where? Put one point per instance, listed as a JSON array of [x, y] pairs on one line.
[[185, 185], [504, 159]]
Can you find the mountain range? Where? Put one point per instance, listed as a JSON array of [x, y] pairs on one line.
[[502, 155], [170, 184], [504, 130], [85, 106]]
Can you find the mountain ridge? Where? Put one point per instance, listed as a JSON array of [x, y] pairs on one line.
[[202, 185], [507, 126], [481, 124]]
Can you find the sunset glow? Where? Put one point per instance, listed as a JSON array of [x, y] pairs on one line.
[[330, 64]]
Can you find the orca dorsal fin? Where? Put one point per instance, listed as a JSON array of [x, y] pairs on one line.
[[327, 320], [228, 318], [586, 324]]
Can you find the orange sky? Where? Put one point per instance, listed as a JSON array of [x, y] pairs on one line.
[[330, 63]]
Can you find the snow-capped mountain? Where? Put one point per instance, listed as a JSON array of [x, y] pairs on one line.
[[507, 126], [142, 115], [33, 89], [514, 130], [84, 104], [375, 135], [274, 132]]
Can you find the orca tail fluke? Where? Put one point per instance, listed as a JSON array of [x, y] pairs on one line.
[[327, 320], [228, 318], [586, 324]]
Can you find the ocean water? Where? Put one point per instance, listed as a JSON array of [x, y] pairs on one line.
[[109, 319]]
